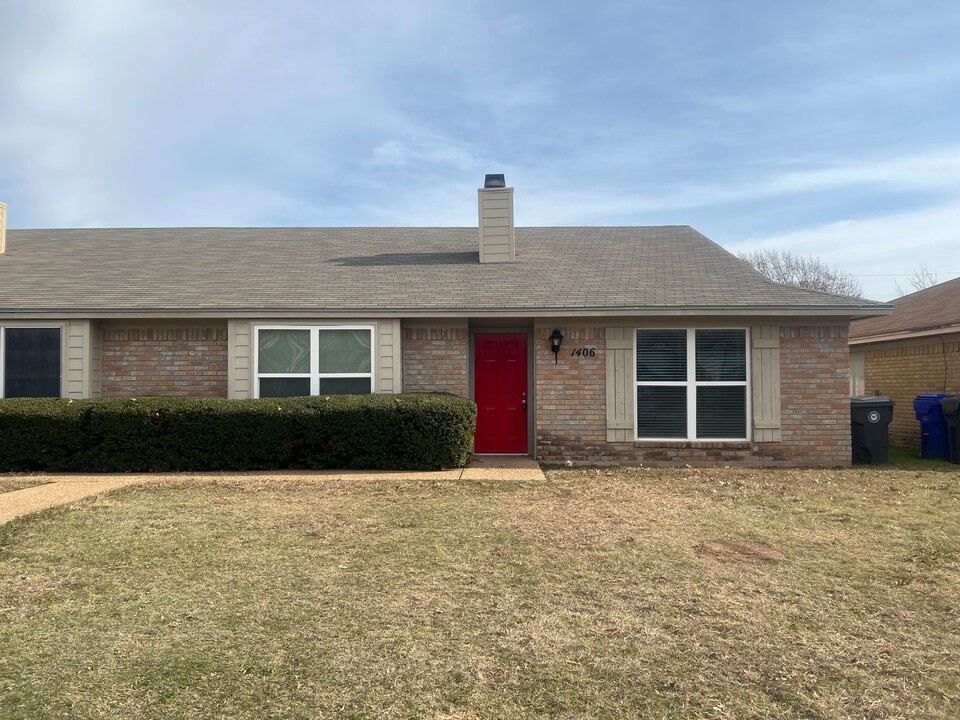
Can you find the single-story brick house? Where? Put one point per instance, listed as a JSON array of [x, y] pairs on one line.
[[577, 343], [914, 350]]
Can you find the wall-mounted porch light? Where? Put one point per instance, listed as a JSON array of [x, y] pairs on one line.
[[556, 337]]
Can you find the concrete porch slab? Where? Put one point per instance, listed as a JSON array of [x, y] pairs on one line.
[[68, 488], [503, 467]]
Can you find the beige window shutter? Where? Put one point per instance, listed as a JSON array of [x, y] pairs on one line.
[[620, 384], [240, 359], [765, 371]]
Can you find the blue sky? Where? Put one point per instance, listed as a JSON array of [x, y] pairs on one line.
[[830, 128]]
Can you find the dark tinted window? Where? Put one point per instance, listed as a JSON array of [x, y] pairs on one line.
[[661, 412], [661, 355], [721, 355], [284, 387], [722, 412], [344, 386], [31, 362]]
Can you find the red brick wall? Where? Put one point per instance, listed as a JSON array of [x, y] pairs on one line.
[[435, 359], [571, 397], [905, 369], [815, 395], [814, 367], [162, 360]]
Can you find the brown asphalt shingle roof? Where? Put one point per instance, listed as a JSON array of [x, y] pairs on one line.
[[415, 270], [935, 307]]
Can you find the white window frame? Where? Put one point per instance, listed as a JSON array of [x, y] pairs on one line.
[[32, 326], [313, 375], [691, 384]]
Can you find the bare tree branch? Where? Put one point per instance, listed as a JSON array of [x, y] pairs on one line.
[[920, 280], [806, 272]]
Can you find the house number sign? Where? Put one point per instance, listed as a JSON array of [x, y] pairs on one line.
[[584, 352]]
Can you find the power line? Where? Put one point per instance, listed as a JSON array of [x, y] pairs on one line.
[[938, 273]]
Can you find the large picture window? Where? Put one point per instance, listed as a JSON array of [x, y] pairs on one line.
[[298, 361], [30, 360], [692, 384]]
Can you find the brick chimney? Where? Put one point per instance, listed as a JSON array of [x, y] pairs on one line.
[[497, 239], [3, 228]]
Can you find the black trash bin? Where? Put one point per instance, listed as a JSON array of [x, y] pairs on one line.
[[951, 413], [869, 428]]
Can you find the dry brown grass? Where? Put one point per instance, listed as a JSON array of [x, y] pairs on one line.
[[688, 593], [9, 483]]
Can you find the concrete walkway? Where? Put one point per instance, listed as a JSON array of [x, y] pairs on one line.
[[64, 489]]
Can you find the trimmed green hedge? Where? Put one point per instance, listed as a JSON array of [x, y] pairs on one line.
[[161, 434]]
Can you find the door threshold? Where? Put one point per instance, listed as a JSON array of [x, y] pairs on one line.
[[496, 454]]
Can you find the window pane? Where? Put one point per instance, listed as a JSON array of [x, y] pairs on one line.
[[722, 412], [284, 387], [661, 412], [721, 355], [31, 362], [344, 351], [661, 355], [345, 386], [284, 351]]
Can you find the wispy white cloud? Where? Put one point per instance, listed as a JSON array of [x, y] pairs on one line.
[[880, 249], [937, 171], [123, 105], [829, 128], [433, 151]]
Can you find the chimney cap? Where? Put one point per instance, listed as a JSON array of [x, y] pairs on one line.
[[494, 180]]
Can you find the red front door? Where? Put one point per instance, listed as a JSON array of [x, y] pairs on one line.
[[500, 389]]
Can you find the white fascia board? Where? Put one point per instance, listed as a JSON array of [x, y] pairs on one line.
[[171, 313]]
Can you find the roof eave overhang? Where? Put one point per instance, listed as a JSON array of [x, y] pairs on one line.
[[621, 311], [906, 335]]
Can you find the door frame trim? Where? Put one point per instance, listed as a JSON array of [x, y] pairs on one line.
[[531, 384]]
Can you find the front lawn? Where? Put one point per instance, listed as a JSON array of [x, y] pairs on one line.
[[687, 593], [905, 458]]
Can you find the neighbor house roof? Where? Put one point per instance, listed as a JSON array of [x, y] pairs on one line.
[[927, 312], [390, 270]]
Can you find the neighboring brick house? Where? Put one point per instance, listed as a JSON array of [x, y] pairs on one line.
[[914, 350], [670, 348]]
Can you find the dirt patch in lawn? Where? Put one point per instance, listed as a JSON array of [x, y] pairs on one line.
[[740, 551]]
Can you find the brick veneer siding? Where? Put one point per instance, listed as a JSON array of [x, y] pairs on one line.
[[814, 368], [571, 397], [149, 360], [815, 395], [435, 359], [905, 369]]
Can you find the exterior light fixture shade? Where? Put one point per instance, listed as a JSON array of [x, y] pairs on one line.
[[556, 337]]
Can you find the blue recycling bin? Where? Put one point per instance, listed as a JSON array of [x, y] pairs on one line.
[[934, 439]]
